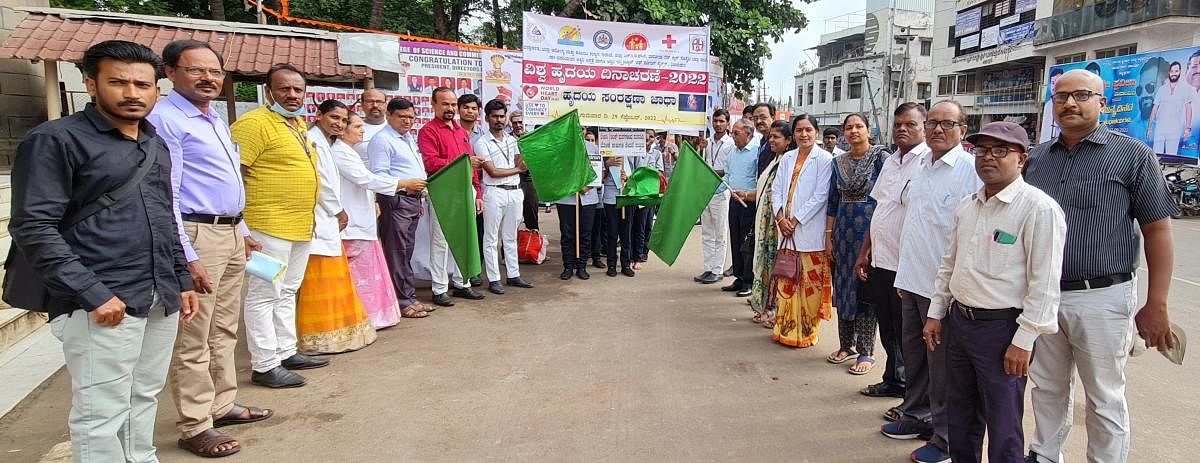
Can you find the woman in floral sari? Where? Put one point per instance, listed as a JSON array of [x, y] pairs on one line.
[[766, 236], [800, 194]]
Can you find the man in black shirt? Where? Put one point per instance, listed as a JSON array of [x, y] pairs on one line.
[[118, 281]]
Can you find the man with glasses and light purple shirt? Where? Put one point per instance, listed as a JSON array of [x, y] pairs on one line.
[[209, 198]]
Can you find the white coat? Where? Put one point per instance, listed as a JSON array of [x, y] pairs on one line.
[[809, 197]]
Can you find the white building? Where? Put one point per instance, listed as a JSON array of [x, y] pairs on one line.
[[871, 67], [984, 58]]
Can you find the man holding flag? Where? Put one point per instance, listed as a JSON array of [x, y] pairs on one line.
[[715, 219], [502, 196], [441, 141]]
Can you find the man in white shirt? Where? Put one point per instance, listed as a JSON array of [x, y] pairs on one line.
[[374, 106], [829, 140], [1171, 119], [393, 153], [880, 254], [714, 221], [945, 176], [997, 290], [502, 197]]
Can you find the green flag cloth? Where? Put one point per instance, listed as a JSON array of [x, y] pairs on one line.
[[643, 188], [557, 158], [692, 186], [453, 200]]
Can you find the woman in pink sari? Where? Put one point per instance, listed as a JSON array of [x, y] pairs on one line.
[[360, 239]]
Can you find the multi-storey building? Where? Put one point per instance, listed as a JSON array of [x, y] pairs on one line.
[[871, 67]]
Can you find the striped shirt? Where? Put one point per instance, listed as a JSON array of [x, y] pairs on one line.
[[1105, 183]]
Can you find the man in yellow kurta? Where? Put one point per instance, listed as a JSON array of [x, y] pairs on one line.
[[279, 167]]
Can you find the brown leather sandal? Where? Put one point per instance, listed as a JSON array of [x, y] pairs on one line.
[[234, 416], [205, 444]]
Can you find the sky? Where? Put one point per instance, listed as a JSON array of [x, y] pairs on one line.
[[780, 70]]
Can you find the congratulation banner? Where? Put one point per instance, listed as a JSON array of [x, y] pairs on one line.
[[615, 74], [421, 66], [501, 77], [1153, 97]]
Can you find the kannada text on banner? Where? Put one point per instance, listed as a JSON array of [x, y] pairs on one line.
[[615, 74]]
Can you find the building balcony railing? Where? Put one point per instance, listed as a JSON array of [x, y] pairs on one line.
[[1102, 15]]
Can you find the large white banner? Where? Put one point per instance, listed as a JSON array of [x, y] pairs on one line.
[[615, 74], [502, 77]]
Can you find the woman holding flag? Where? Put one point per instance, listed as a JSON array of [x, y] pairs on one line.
[[800, 194]]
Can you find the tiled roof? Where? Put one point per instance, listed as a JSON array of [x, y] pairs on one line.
[[249, 49]]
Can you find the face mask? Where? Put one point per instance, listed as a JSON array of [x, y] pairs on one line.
[[279, 109]]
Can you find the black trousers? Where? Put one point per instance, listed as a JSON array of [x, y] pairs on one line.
[[979, 395], [643, 221], [599, 240], [741, 227], [529, 210], [567, 233], [886, 304], [619, 230]]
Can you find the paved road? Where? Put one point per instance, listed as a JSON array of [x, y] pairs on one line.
[[652, 368]]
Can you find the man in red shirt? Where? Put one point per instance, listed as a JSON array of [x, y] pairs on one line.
[[441, 141]]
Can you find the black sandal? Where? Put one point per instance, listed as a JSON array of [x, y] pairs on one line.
[[205, 444], [235, 416]]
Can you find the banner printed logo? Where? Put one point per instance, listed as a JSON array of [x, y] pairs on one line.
[[636, 42], [536, 33], [669, 42], [602, 39], [570, 35], [698, 44]]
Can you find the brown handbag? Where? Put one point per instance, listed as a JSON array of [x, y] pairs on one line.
[[787, 263]]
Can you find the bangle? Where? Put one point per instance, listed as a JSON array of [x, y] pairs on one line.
[[828, 230]]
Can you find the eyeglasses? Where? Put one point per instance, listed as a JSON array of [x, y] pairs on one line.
[[1079, 95], [945, 125], [997, 152], [199, 72]]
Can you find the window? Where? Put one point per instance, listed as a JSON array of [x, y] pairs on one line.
[[810, 94], [926, 47], [799, 95], [950, 42], [1073, 58], [837, 88], [923, 89], [945, 85], [821, 94], [966, 84], [1116, 51], [854, 86]]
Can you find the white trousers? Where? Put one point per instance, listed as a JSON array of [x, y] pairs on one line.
[[116, 375], [1166, 137], [441, 261], [714, 230], [270, 315], [501, 213], [1095, 333]]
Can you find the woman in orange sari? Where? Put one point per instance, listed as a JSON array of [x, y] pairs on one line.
[[800, 192]]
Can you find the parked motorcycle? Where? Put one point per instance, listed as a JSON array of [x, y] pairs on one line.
[[1186, 192]]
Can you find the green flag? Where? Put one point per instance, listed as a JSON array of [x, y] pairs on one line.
[[557, 158], [453, 200], [643, 188], [692, 186]]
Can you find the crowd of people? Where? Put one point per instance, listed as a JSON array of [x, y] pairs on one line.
[[962, 260]]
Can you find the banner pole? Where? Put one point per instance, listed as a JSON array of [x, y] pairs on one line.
[[578, 231]]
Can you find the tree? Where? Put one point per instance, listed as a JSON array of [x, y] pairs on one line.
[[376, 14]]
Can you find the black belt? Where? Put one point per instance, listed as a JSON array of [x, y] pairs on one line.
[[1095, 283], [975, 313], [212, 219], [407, 194], [506, 187]]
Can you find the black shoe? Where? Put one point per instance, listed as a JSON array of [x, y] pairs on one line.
[[597, 263], [701, 276], [519, 282], [882, 389], [475, 282], [627, 272], [1031, 458], [728, 272], [567, 274], [466, 293], [711, 278], [582, 273], [277, 378], [495, 287], [612, 272], [443, 300], [303, 362], [736, 286], [744, 292]]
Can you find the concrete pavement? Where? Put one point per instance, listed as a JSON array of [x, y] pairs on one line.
[[651, 368]]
